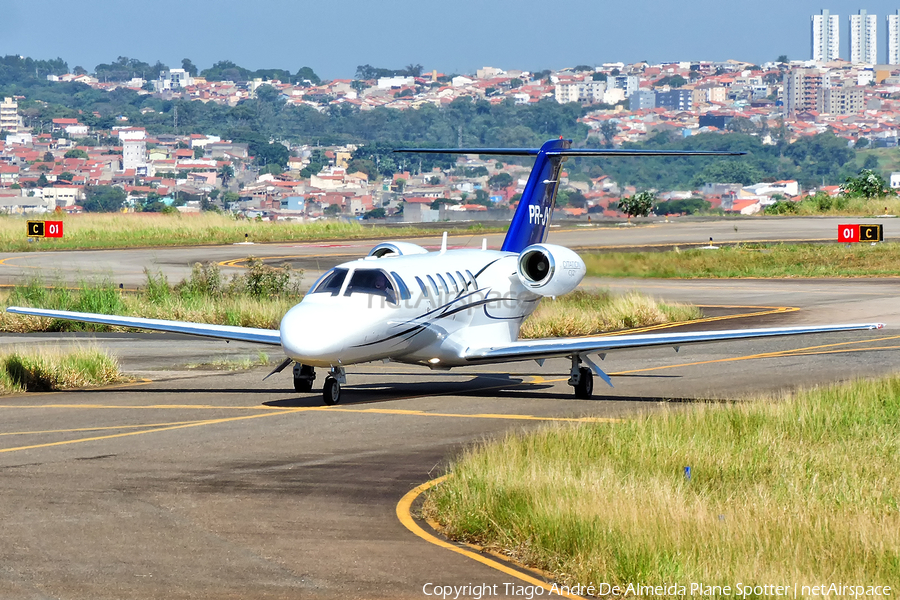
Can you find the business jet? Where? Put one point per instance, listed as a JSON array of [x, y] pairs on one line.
[[449, 308]]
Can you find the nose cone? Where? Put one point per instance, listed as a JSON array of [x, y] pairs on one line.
[[312, 334]]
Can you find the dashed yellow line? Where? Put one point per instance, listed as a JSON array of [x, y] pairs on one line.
[[404, 514], [422, 413]]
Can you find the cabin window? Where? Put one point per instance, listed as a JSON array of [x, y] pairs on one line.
[[453, 281], [401, 286], [371, 281], [330, 283], [443, 283], [422, 285], [433, 285]]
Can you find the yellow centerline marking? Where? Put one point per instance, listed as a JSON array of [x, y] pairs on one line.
[[133, 433], [404, 514], [80, 429], [421, 413], [775, 354]]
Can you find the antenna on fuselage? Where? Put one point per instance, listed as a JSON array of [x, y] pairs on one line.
[[444, 243], [484, 243]]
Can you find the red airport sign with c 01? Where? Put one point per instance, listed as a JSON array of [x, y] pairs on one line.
[[860, 233], [45, 229]]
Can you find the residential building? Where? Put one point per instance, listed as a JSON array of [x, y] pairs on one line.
[[173, 79], [801, 90], [576, 90], [863, 38], [826, 38], [678, 99], [134, 148], [848, 100], [893, 39], [9, 116], [629, 84], [642, 100]]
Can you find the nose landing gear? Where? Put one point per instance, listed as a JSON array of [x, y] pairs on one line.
[[331, 393]]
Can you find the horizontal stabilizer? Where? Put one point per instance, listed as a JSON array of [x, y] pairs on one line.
[[600, 152], [225, 332]]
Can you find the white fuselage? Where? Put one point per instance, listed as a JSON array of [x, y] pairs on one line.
[[436, 306]]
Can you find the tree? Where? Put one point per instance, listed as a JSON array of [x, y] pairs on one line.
[[782, 59], [434, 180], [638, 205], [48, 157], [103, 198], [375, 213], [412, 70], [500, 181], [871, 162], [306, 76], [400, 184], [861, 143], [599, 77], [226, 172], [66, 176], [868, 184], [42, 181], [332, 210], [609, 129], [198, 152], [76, 153], [188, 66]]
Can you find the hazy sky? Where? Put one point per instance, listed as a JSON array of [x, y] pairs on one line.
[[333, 37]]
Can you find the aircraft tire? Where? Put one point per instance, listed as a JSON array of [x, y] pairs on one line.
[[331, 393], [585, 388]]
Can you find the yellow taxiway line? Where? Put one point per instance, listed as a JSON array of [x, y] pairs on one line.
[[404, 514]]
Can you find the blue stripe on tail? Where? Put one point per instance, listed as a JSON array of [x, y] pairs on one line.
[[532, 219]]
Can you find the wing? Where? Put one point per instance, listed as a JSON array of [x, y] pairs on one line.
[[551, 348], [226, 332]]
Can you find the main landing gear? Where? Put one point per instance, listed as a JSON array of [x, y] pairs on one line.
[[582, 379], [304, 375]]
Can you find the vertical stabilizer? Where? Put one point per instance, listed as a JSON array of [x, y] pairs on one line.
[[532, 219]]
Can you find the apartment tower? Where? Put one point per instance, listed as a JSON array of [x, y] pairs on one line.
[[863, 38], [893, 39], [826, 37]]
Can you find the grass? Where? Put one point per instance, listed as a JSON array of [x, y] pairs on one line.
[[586, 313], [43, 371], [752, 260], [801, 489], [259, 297], [234, 364], [824, 205], [119, 230]]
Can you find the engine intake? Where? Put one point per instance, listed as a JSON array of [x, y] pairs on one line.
[[550, 270]]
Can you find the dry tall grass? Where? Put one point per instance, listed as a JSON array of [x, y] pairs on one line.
[[586, 313], [118, 230], [46, 370], [753, 260], [792, 490]]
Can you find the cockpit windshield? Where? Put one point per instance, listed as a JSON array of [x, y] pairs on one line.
[[331, 282], [371, 281]]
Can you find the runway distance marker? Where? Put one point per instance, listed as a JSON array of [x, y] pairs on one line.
[[860, 233], [52, 229]]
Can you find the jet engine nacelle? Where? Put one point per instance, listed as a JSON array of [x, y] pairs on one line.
[[550, 270], [396, 249]]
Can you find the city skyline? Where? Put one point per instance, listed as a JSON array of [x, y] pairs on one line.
[[394, 33]]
